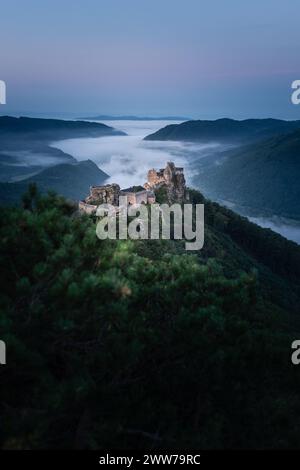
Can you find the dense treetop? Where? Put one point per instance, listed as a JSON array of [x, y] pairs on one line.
[[136, 343]]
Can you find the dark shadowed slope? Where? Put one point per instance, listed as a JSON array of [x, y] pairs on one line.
[[134, 343], [18, 162], [263, 176], [69, 180]]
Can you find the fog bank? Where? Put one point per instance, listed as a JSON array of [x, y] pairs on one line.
[[128, 158], [287, 228]]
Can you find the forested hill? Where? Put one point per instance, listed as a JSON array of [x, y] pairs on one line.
[[137, 344], [225, 130], [51, 129], [70, 180], [263, 177], [27, 155]]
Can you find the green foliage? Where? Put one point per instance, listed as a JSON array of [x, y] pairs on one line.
[[134, 189], [112, 342], [161, 195]]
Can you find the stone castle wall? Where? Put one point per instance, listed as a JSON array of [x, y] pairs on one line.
[[108, 194], [140, 197], [171, 177], [87, 208]]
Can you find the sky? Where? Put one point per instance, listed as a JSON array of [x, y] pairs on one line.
[[197, 58]]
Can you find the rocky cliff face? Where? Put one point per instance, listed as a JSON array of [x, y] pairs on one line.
[[175, 182], [172, 178]]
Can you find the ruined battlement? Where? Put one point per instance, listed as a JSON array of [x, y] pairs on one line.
[[172, 177], [110, 194], [107, 194], [140, 197]]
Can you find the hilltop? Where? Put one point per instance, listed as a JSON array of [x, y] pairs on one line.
[[131, 344], [38, 129], [224, 130], [105, 117]]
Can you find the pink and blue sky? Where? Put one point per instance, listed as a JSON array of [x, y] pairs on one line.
[[196, 58]]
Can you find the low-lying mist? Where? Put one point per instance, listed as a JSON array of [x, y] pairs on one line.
[[28, 158], [287, 228], [128, 158]]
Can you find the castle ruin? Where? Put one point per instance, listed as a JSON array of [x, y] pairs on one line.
[[171, 177]]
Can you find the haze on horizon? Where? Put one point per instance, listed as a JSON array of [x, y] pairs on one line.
[[205, 59]]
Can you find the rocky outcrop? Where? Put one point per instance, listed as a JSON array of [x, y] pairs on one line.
[[172, 178]]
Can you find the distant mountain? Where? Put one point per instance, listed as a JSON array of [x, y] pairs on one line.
[[263, 177], [52, 129], [225, 130], [21, 159], [104, 117], [25, 143], [70, 180]]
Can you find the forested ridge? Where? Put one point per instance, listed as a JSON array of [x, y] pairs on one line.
[[263, 177], [132, 344]]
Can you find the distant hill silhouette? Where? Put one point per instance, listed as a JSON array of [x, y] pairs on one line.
[[52, 129], [105, 117], [25, 148], [69, 180], [263, 176], [224, 130]]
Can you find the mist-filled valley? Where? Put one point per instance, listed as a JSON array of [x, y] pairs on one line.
[[70, 156], [127, 158], [150, 232], [123, 334]]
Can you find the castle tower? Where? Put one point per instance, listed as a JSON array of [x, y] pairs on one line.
[[172, 177], [152, 176], [169, 172]]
